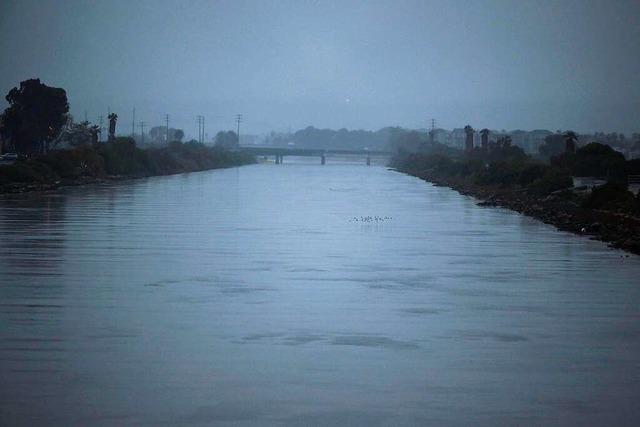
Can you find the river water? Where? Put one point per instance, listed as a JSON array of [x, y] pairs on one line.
[[307, 295]]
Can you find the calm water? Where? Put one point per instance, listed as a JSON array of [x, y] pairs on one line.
[[259, 297]]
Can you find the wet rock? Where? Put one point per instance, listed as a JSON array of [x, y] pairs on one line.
[[621, 231]]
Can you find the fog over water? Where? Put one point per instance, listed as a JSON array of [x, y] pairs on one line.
[[500, 64], [300, 294]]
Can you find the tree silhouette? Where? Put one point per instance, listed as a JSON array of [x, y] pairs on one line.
[[113, 118], [35, 116], [485, 139], [505, 141], [570, 138], [468, 145], [553, 145], [600, 160], [226, 140], [76, 134]]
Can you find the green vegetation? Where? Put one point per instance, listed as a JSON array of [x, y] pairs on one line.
[[554, 145], [120, 158], [37, 120], [613, 196], [226, 140], [35, 116], [596, 160], [501, 166], [158, 134]]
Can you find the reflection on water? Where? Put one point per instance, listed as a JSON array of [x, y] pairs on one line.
[[252, 297]]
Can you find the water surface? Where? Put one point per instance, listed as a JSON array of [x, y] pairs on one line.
[[300, 294]]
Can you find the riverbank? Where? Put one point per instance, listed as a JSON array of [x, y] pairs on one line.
[[27, 187], [91, 164], [618, 230]]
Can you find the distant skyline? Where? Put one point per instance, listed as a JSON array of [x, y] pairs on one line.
[[500, 64]]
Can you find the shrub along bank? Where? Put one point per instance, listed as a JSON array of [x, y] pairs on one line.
[[610, 212], [118, 160]]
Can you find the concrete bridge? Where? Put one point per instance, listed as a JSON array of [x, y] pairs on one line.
[[280, 152]]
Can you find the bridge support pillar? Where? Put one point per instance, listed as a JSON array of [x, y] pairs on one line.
[[368, 160], [323, 159]]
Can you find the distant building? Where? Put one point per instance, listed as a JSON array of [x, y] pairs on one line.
[[441, 136], [529, 141], [458, 137]]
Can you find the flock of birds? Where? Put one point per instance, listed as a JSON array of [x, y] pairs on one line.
[[371, 219]]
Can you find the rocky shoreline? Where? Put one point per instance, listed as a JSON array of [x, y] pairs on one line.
[[618, 230], [27, 187]]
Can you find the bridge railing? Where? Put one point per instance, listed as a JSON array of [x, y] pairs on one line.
[[280, 152], [296, 151]]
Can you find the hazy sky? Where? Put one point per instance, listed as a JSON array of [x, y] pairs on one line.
[[502, 64]]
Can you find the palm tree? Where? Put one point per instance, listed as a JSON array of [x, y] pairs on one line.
[[113, 118], [468, 144], [504, 142], [485, 138], [570, 138]]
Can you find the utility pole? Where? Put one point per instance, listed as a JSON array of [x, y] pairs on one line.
[[238, 120], [133, 123], [166, 116], [432, 133], [100, 131], [203, 129], [200, 121], [142, 131]]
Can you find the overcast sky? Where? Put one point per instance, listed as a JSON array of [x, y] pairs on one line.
[[501, 64]]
